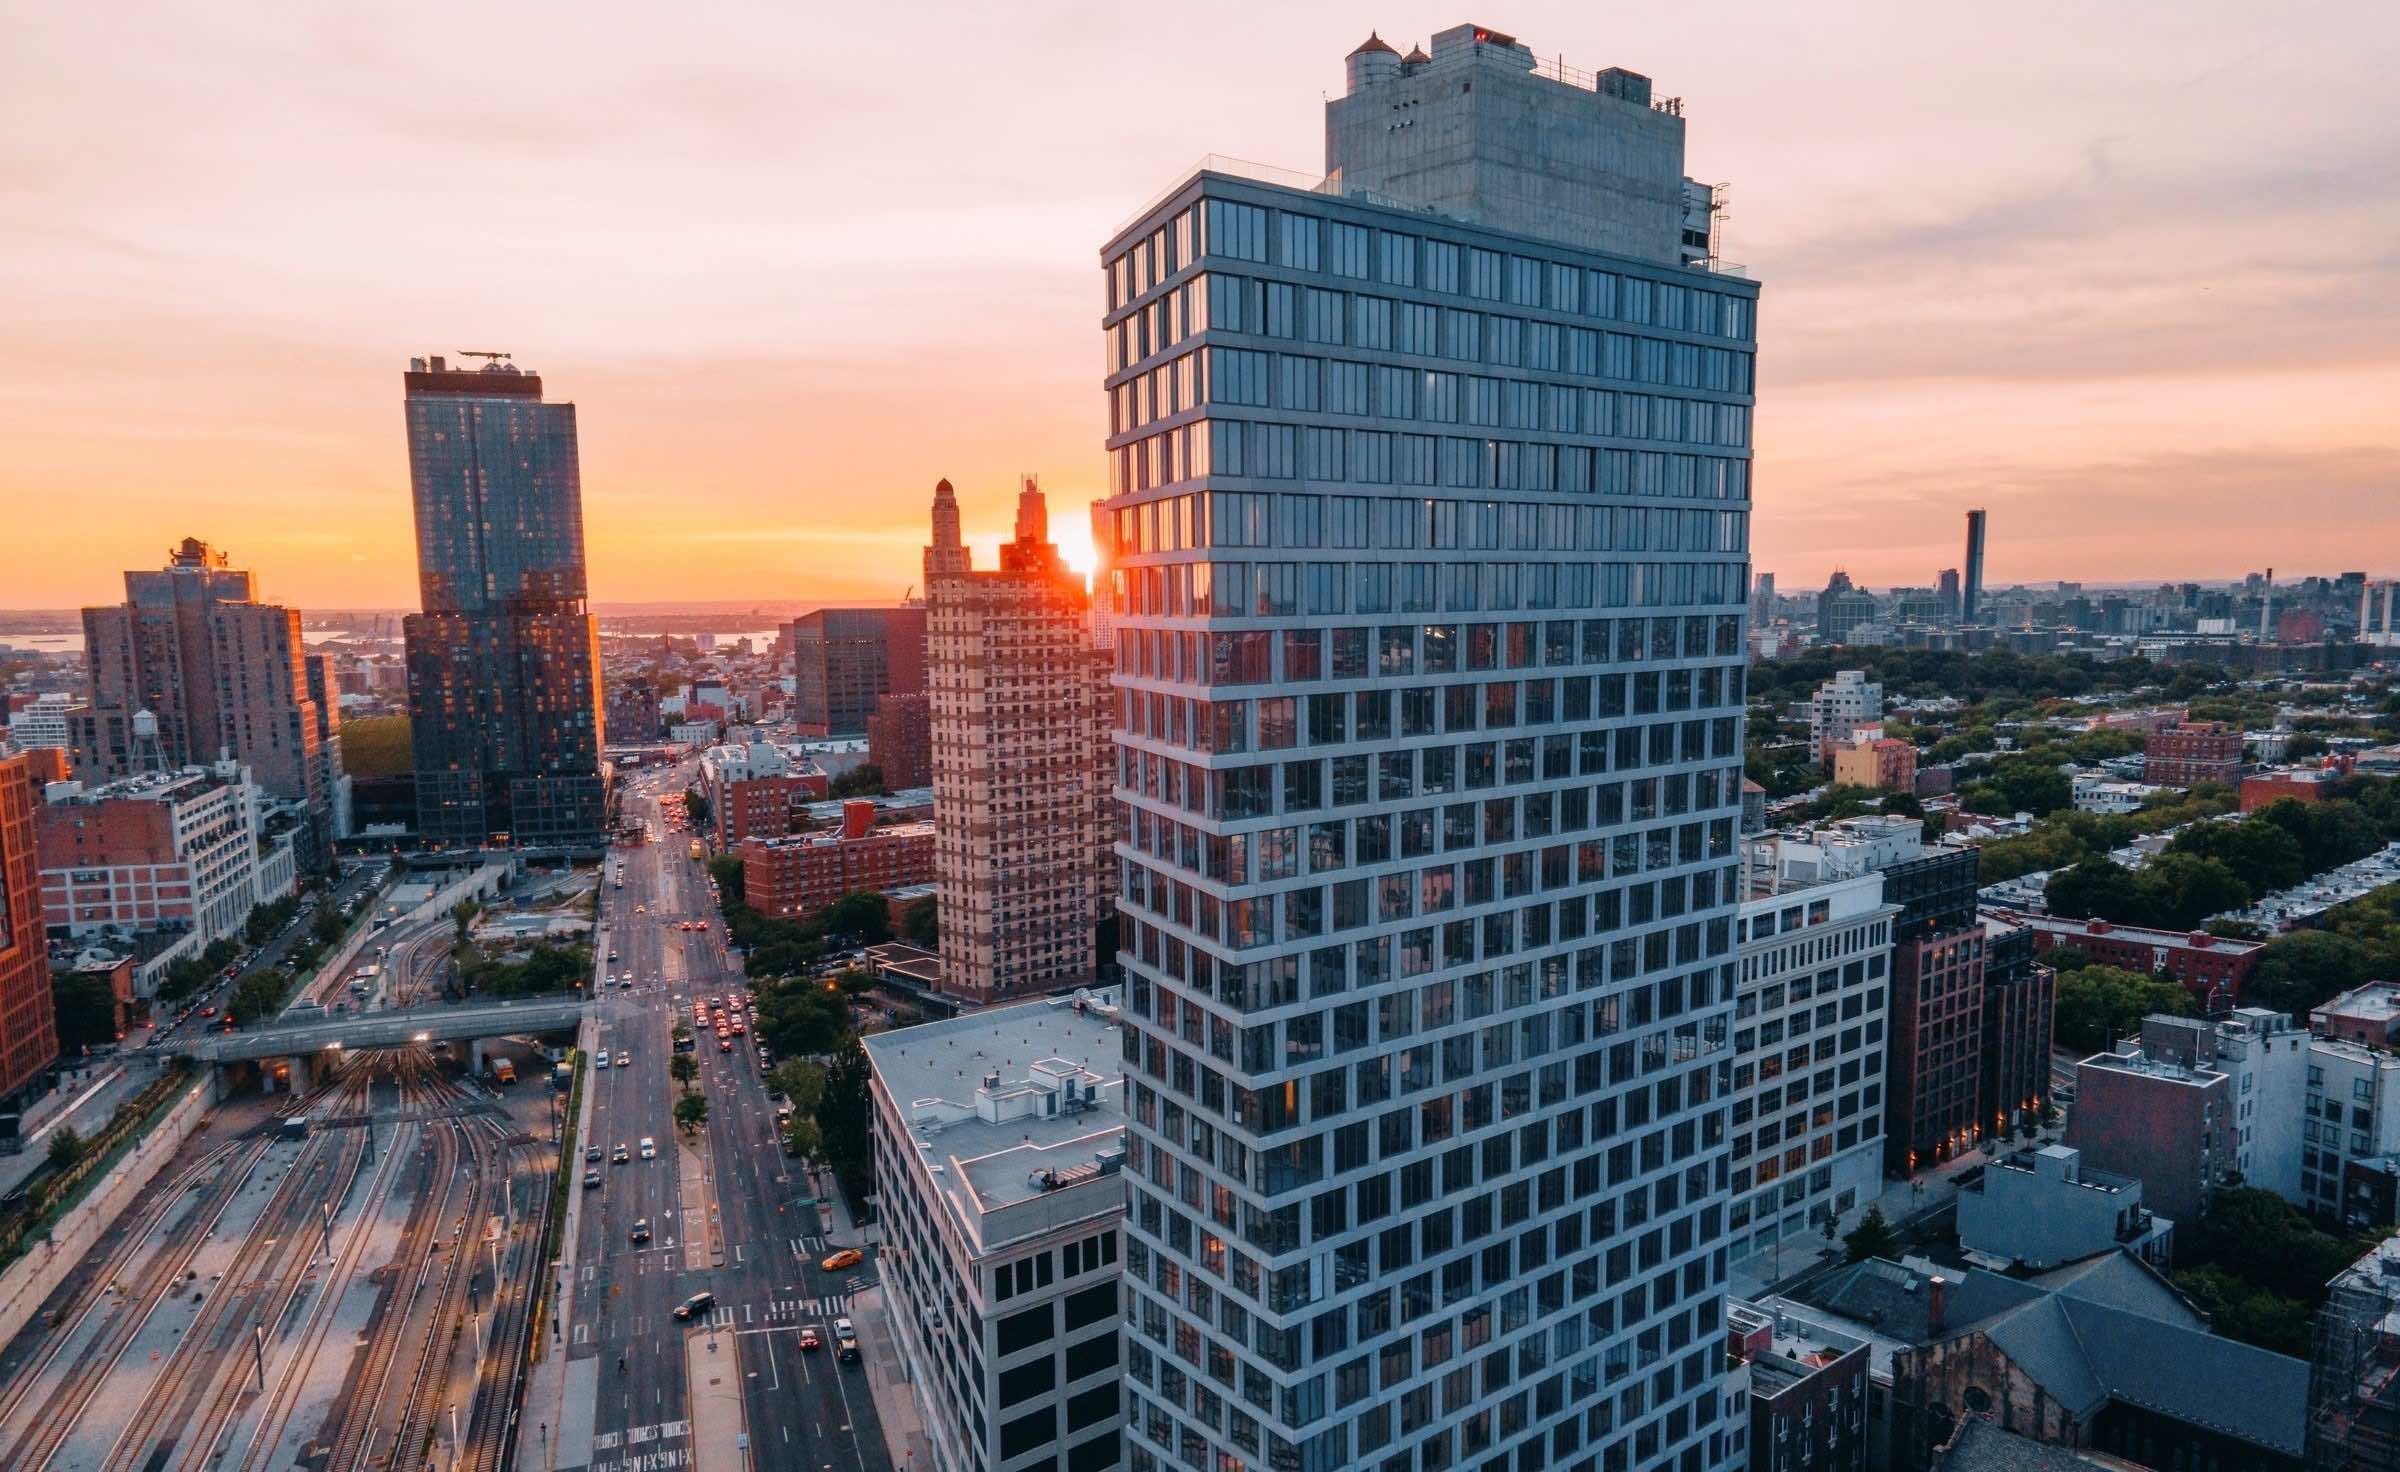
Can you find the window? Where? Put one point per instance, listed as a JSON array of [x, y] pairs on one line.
[[1020, 1331], [1083, 1308]]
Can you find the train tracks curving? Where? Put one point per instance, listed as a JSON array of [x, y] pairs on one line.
[[178, 1422]]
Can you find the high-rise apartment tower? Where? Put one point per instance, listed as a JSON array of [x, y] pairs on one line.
[[1429, 505], [225, 675], [1015, 716], [504, 661]]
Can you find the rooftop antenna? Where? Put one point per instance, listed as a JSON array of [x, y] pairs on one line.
[[490, 359]]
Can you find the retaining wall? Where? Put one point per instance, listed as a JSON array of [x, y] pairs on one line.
[[31, 1279]]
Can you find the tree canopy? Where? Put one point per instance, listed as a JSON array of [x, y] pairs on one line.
[[2097, 1004]]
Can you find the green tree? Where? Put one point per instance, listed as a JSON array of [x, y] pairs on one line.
[[863, 780], [85, 1008], [862, 915], [801, 1082], [1872, 1237], [727, 871], [843, 1116], [799, 1018], [2305, 969], [329, 925], [683, 1068], [921, 922], [66, 1147], [802, 1138], [2099, 1003], [695, 806], [2178, 891], [691, 1112], [2095, 888], [259, 997]]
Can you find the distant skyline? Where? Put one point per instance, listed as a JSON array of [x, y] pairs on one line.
[[2125, 277]]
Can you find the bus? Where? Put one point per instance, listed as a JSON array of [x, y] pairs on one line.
[[503, 1071]]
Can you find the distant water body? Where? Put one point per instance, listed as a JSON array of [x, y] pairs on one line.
[[73, 643]]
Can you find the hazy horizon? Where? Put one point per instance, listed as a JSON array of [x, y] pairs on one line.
[[2124, 278]]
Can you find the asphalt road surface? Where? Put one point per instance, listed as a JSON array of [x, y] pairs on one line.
[[805, 1411]]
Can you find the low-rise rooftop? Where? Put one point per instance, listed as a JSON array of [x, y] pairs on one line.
[[1013, 1111]]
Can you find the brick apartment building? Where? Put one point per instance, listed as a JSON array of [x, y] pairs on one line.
[[2168, 1124], [1880, 762], [2191, 753], [2020, 998], [2300, 784], [1022, 764], [756, 790], [222, 674], [186, 851], [2214, 968], [797, 876], [28, 1023], [900, 740]]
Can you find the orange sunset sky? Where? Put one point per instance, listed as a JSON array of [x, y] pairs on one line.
[[2127, 274]]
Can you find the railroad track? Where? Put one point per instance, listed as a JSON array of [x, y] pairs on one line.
[[268, 1428], [163, 1273], [492, 1423], [367, 1400], [163, 1269], [426, 1373], [177, 1422]]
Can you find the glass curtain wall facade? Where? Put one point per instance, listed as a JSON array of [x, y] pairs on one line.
[[1428, 548], [503, 664]]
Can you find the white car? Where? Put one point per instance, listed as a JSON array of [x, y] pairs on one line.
[[601, 1061], [649, 1148]]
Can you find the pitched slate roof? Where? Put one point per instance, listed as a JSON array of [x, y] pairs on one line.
[[2106, 1329]]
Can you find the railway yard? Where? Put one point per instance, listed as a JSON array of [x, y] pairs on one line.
[[335, 1281]]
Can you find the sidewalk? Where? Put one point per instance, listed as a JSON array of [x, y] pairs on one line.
[[563, 1441], [878, 1345]]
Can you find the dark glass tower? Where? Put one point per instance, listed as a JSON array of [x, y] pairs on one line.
[[503, 664], [1970, 608]]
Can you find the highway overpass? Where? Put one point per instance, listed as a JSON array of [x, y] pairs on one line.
[[459, 1022]]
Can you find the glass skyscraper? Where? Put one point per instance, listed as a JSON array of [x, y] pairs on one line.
[[503, 664], [1428, 531]]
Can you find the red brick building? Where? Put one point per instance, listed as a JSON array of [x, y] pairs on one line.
[[2213, 968], [798, 876], [2167, 1124], [756, 791], [2195, 752], [2300, 784], [1933, 1091], [900, 740], [28, 1025]]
